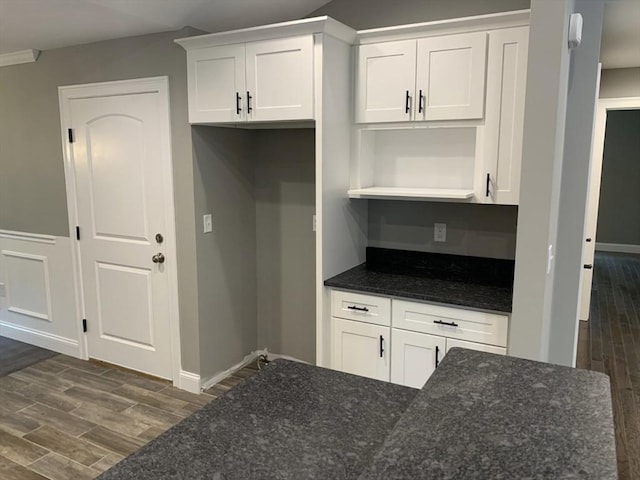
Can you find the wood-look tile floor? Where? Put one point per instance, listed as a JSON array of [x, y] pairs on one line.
[[65, 418], [610, 343]]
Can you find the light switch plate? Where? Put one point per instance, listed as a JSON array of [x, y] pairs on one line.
[[439, 232], [207, 222]]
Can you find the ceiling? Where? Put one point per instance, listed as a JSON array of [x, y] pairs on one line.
[[47, 24]]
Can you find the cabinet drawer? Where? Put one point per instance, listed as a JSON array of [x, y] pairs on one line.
[[363, 308], [449, 322], [452, 342]]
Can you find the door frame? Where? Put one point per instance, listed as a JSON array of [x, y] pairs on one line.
[[159, 85], [604, 105]]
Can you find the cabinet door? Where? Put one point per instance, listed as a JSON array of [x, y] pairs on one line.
[[450, 76], [506, 84], [280, 79], [452, 342], [414, 357], [360, 348], [216, 83], [386, 80]]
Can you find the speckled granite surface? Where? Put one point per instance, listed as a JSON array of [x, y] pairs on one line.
[[290, 421], [446, 292], [484, 416]]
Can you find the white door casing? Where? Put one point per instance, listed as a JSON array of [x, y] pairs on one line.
[[593, 198], [119, 177]]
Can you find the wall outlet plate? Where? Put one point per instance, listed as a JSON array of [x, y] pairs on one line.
[[439, 232], [207, 222]]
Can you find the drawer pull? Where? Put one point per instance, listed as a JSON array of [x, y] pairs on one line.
[[359, 309], [381, 346], [450, 324], [437, 354]]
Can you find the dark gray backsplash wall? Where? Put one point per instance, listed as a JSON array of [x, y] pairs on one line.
[[619, 211], [475, 230]]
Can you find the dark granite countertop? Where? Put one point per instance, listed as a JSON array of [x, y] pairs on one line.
[[485, 416], [470, 282], [480, 416], [290, 421]]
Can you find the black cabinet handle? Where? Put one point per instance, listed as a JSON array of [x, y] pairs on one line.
[[588, 267], [437, 354], [407, 103], [238, 103], [381, 346], [488, 185], [450, 324], [359, 309], [249, 97], [420, 98]]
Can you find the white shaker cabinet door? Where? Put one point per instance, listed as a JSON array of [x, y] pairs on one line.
[[280, 79], [451, 77], [414, 357], [506, 85], [360, 348], [216, 82], [386, 79]]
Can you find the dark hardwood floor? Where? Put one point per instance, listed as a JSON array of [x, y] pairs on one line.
[[610, 343], [15, 356]]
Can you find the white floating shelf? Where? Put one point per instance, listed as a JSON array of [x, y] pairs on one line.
[[401, 193]]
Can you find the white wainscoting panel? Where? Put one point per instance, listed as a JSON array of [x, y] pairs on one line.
[[37, 303]]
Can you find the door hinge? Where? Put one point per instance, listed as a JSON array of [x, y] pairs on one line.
[[77, 232], [71, 136], [84, 325]]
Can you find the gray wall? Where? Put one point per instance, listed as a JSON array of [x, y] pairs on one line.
[[363, 14], [285, 203], [581, 106], [620, 82], [476, 230], [227, 256], [619, 211], [32, 185]]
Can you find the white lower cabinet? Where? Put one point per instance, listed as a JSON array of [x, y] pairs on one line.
[[403, 342], [414, 357], [360, 348]]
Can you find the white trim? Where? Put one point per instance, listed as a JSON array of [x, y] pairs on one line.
[[16, 58], [140, 85], [276, 356], [28, 237], [47, 286], [218, 377], [189, 381], [617, 247], [492, 21], [41, 339], [307, 26]]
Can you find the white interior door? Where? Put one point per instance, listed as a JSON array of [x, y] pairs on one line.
[[280, 79], [386, 81], [450, 74], [119, 154]]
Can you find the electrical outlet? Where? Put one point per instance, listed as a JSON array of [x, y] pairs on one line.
[[207, 223], [3, 290], [439, 232]]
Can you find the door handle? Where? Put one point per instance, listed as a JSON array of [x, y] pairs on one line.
[[420, 99], [407, 103], [249, 97], [381, 346], [238, 103], [437, 354], [359, 309], [488, 191], [449, 324], [158, 258]]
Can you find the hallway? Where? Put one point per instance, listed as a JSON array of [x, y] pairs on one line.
[[610, 343]]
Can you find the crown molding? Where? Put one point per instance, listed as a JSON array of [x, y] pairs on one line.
[[15, 58]]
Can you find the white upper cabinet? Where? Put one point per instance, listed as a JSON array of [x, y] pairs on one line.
[[279, 77], [216, 82], [386, 81], [450, 77], [434, 78], [506, 88]]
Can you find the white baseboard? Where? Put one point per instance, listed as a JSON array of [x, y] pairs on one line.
[[218, 377], [189, 381], [275, 356], [618, 247], [40, 339]]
